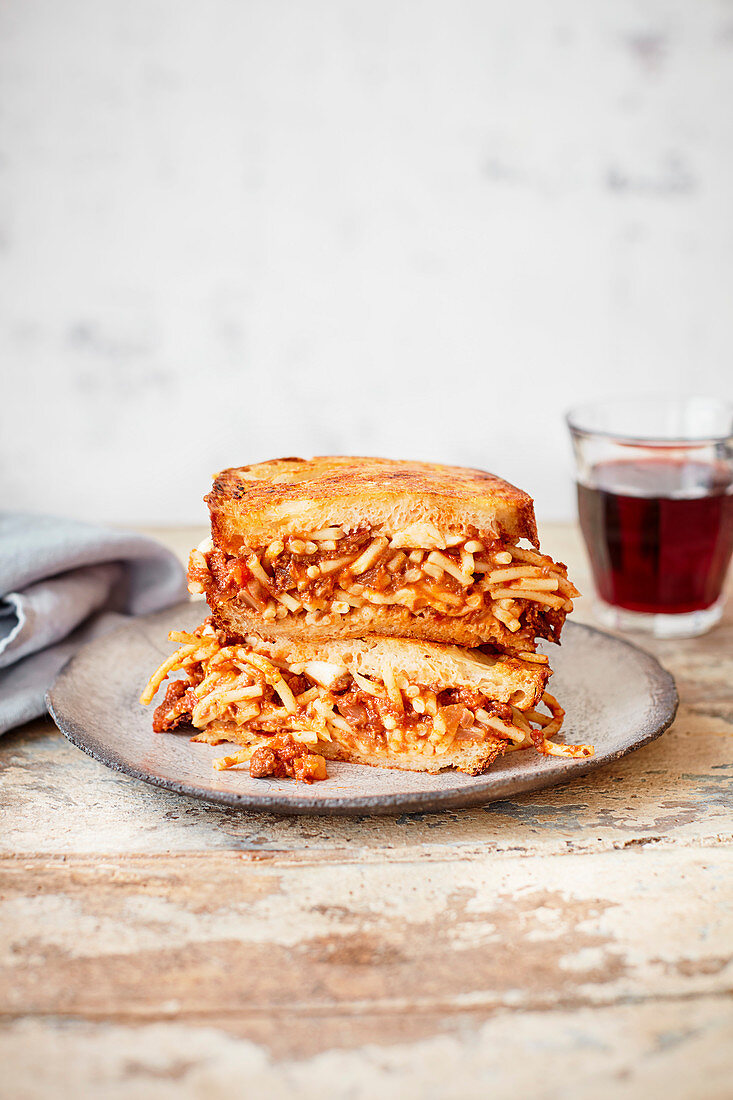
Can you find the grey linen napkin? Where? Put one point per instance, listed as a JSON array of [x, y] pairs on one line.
[[63, 583]]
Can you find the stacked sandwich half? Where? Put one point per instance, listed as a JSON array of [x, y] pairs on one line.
[[371, 611]]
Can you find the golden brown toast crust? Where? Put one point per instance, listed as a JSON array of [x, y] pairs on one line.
[[472, 758], [396, 622], [294, 495]]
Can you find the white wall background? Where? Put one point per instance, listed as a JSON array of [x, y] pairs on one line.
[[237, 229]]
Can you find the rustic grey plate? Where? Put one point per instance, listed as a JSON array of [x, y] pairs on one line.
[[616, 696]]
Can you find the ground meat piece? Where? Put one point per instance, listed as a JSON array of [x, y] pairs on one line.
[[284, 575], [367, 712], [473, 701], [297, 684], [175, 710], [285, 758], [468, 697], [540, 621], [226, 572]]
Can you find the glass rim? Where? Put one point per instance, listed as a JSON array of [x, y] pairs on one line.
[[574, 415]]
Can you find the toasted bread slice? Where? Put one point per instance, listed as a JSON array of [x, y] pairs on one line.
[[252, 505], [479, 628], [501, 678], [472, 758]]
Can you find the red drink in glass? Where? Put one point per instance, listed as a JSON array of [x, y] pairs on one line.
[[655, 501], [659, 533]]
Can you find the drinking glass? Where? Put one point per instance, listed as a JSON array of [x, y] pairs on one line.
[[655, 500]]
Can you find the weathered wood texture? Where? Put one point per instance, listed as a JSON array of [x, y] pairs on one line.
[[572, 942]]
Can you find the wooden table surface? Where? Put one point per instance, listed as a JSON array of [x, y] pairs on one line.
[[570, 943]]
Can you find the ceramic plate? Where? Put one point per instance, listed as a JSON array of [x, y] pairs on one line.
[[616, 696]]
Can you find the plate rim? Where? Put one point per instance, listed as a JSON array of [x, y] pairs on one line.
[[666, 700]]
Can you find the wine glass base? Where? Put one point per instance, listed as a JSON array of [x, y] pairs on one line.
[[687, 625]]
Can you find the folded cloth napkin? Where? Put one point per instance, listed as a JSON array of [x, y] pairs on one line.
[[63, 583]]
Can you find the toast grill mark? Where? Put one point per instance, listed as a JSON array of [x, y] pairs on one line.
[[326, 573]]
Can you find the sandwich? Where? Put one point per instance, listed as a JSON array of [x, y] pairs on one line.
[[290, 703], [344, 547]]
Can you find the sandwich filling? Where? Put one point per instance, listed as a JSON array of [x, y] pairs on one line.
[[230, 692], [322, 575]]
